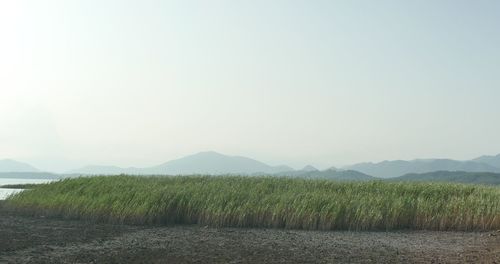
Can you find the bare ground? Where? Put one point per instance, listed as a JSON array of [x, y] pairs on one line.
[[25, 239]]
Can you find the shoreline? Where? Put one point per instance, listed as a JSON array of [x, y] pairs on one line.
[[26, 239]]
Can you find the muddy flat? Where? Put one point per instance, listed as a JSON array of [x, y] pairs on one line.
[[27, 239]]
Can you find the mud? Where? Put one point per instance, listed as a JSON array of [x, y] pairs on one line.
[[27, 239]]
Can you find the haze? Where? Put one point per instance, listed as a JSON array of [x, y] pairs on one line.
[[137, 83]]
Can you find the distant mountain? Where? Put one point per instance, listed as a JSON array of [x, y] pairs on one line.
[[8, 165], [29, 175], [453, 176], [309, 168], [389, 169], [339, 175], [213, 163], [202, 163], [216, 164], [490, 160]]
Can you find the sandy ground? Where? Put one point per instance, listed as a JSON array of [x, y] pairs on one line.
[[26, 239]]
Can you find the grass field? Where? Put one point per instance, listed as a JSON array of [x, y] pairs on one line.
[[267, 202]]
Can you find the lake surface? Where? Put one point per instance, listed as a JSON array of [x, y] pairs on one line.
[[4, 193]]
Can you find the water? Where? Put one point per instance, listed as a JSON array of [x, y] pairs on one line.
[[4, 193]]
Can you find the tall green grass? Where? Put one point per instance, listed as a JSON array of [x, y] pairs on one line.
[[267, 202]]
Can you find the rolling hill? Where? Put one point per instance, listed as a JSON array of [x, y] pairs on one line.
[[490, 160], [202, 163], [8, 165], [390, 169], [330, 174], [453, 176]]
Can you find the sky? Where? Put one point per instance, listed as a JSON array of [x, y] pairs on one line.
[[328, 83]]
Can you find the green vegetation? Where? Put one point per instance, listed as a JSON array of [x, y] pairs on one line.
[[487, 178], [267, 202], [336, 175]]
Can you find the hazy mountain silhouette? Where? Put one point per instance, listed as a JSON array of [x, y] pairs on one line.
[[8, 165], [202, 163], [330, 174], [216, 164], [389, 169], [490, 160], [309, 168], [211, 162], [453, 176]]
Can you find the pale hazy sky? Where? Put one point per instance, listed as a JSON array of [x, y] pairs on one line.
[[137, 83]]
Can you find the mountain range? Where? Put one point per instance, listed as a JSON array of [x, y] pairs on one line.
[[390, 169], [214, 163], [329, 174], [209, 162], [490, 160], [452, 176], [8, 165]]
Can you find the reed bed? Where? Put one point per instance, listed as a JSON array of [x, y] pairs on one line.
[[269, 202]]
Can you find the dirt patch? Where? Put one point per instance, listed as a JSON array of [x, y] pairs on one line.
[[25, 239]]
